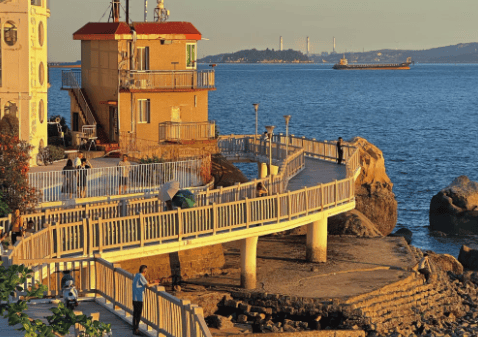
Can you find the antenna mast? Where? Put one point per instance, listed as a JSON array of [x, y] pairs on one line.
[[161, 14]]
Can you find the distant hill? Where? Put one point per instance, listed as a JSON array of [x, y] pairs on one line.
[[460, 53], [258, 56]]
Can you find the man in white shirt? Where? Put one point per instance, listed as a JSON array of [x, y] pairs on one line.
[[77, 162]]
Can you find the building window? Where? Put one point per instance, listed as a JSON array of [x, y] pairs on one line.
[[144, 110], [41, 73], [190, 55], [41, 111], [41, 34], [142, 59], [36, 2], [10, 33], [11, 108]]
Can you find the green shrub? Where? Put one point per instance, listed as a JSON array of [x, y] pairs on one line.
[[154, 160], [56, 152]]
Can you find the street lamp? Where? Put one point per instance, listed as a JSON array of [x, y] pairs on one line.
[[256, 107], [287, 120], [270, 132]]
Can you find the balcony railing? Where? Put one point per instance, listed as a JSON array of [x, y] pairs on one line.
[[175, 132], [170, 80]]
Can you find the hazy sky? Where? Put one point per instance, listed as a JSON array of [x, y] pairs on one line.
[[232, 25]]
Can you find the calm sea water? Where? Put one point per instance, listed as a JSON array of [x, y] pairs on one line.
[[425, 121]]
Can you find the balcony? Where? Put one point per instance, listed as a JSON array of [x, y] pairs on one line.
[[167, 80], [176, 132]]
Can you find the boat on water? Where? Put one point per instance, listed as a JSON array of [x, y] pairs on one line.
[[344, 65]]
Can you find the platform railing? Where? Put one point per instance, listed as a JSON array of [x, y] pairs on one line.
[[106, 181], [167, 79], [166, 314], [175, 132], [71, 80]]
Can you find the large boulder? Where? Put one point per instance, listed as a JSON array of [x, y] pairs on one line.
[[468, 257], [446, 262], [352, 223], [454, 210], [373, 188], [405, 233]]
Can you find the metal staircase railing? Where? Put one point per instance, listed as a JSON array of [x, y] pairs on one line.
[[71, 80]]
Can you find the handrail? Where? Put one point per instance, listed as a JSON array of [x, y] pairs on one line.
[[100, 277], [177, 131], [72, 80], [167, 79]]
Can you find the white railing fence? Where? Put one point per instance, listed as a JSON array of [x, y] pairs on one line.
[[166, 314], [63, 185]]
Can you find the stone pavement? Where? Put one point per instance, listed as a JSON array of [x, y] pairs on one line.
[[354, 266], [40, 311], [317, 171]]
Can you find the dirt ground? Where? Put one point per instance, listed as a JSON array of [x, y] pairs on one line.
[[354, 266]]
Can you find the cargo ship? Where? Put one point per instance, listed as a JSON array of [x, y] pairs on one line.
[[344, 65]]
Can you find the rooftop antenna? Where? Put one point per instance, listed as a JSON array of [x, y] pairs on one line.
[[115, 10], [145, 10], [161, 14]]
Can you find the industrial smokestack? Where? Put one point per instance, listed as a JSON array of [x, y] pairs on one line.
[[308, 45], [116, 10], [334, 45], [281, 44]]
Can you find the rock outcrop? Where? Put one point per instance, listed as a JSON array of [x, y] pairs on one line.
[[405, 233], [468, 257], [352, 223], [454, 210], [446, 263], [373, 188]]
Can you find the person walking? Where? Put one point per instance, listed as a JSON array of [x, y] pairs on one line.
[[139, 284], [69, 175], [340, 151], [124, 166]]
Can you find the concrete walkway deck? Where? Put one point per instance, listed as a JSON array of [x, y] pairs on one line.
[[315, 172], [58, 165], [39, 311]]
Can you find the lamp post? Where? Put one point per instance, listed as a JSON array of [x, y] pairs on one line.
[[256, 107], [287, 120], [270, 132]]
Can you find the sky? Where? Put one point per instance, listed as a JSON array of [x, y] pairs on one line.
[[233, 25]]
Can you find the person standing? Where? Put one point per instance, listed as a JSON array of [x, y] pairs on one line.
[[77, 163], [83, 177], [124, 166], [69, 175], [139, 284], [340, 151], [17, 226], [424, 267]]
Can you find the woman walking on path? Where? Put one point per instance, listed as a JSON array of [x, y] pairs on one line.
[[69, 177]]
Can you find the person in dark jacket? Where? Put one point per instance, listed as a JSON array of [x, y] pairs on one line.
[[340, 151]]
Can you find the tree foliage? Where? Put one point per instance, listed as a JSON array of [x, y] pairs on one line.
[[9, 125], [62, 319], [14, 166]]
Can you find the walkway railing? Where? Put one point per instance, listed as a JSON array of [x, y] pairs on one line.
[[166, 314], [63, 185], [175, 132], [167, 79]]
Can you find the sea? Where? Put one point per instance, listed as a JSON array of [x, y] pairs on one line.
[[425, 120]]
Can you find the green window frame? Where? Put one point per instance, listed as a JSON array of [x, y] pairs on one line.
[[191, 55]]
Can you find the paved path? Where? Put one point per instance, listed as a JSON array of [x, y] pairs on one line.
[[58, 165], [40, 311], [316, 172]]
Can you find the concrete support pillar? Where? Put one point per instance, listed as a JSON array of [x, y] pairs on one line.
[[317, 241], [248, 262], [262, 169]]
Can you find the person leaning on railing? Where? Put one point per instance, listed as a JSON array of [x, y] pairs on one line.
[[17, 226], [261, 191], [139, 285]]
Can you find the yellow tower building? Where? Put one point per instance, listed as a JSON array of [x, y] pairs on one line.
[[24, 69]]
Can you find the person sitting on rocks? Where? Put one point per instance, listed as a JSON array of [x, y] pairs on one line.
[[424, 267]]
